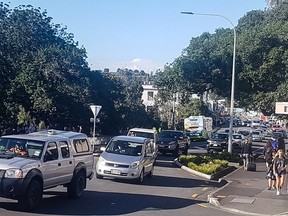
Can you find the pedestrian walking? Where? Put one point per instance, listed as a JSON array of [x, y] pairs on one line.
[[246, 151], [267, 152], [279, 170], [281, 143], [274, 144], [270, 173]]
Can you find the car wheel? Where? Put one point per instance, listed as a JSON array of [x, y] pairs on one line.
[[176, 151], [99, 176], [76, 187], [33, 196], [141, 177], [150, 174]]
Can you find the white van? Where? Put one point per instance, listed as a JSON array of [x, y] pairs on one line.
[[255, 123], [146, 133]]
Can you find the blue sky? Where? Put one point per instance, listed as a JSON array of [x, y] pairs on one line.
[[139, 34]]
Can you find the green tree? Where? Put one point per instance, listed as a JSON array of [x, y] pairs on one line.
[[273, 3]]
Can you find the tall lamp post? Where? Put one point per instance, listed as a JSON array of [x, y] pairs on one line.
[[233, 74]]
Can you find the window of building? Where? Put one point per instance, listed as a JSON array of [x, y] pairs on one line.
[[150, 96]]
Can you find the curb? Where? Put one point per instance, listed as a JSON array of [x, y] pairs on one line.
[[203, 175], [191, 171], [211, 198], [214, 200]]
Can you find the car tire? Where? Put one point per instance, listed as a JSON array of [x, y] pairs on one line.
[[33, 196], [99, 176], [76, 187]]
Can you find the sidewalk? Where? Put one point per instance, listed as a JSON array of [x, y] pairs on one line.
[[246, 193]]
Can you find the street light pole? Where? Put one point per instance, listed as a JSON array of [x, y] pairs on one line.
[[233, 74]]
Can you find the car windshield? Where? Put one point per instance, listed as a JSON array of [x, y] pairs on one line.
[[124, 147], [142, 134], [237, 137], [277, 135], [220, 136], [255, 133], [169, 134], [21, 147], [245, 133]]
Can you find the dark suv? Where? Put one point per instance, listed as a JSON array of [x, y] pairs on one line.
[[218, 142], [171, 141]]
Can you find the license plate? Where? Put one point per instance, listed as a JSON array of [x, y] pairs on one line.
[[215, 144], [115, 172], [161, 146]]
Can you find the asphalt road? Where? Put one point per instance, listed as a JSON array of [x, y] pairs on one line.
[[171, 191]]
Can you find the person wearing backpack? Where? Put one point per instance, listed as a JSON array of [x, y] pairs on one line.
[[274, 144]]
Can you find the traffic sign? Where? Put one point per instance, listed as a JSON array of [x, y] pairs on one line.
[[95, 109]]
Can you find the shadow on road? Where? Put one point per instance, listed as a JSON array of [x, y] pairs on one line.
[[104, 203]]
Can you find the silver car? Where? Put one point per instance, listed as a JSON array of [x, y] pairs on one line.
[[257, 136], [127, 157]]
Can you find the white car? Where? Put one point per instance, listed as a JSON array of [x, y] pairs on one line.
[[127, 157], [237, 139], [257, 136]]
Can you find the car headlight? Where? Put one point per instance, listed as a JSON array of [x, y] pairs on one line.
[[14, 173], [101, 160], [134, 165]]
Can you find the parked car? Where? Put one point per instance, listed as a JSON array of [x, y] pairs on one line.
[[171, 141], [127, 157], [218, 142], [257, 136]]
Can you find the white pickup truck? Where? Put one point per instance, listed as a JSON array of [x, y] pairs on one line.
[[31, 163]]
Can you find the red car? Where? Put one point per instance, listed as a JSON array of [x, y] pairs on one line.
[[276, 128]]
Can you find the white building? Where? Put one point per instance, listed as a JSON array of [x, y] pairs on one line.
[[148, 96]]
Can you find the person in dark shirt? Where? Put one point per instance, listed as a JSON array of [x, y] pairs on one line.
[[246, 151], [279, 167], [281, 143], [267, 152]]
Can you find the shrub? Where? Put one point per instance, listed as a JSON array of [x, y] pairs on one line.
[[203, 163]]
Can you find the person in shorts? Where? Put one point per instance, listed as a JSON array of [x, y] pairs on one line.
[[279, 168]]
